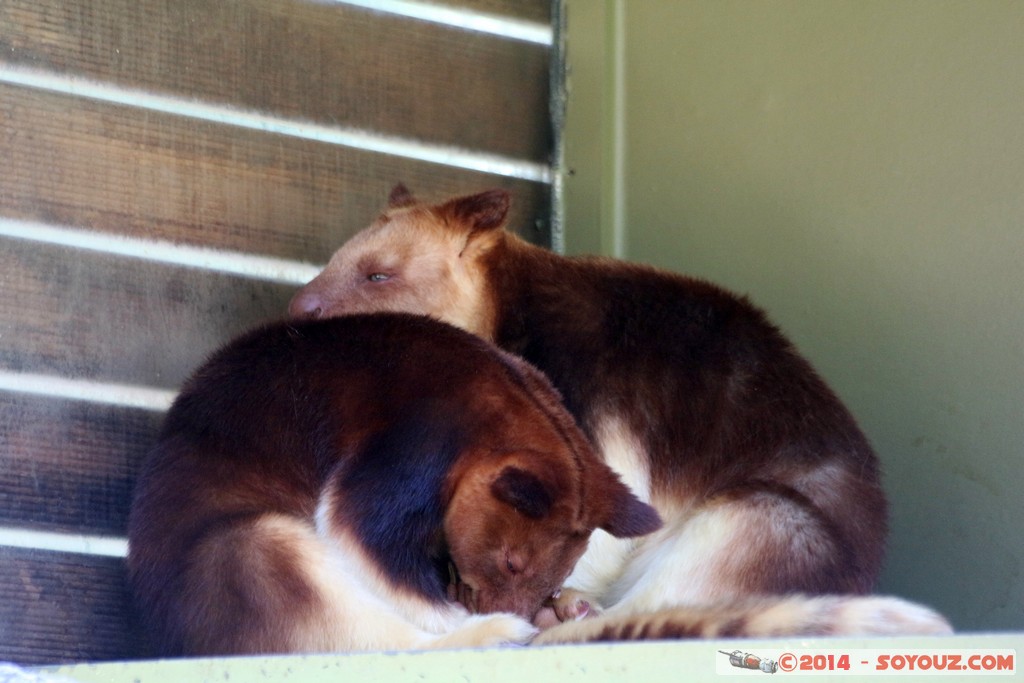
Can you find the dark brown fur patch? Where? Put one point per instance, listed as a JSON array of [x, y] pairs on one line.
[[734, 628], [681, 630]]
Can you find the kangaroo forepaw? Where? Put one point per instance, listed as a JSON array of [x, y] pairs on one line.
[[573, 605]]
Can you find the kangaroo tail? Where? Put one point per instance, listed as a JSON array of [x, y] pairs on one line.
[[767, 617]]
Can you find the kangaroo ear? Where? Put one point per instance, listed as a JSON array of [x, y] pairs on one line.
[[400, 197], [632, 517], [618, 511], [485, 211], [522, 490]]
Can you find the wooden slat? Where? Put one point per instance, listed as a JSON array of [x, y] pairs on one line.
[[70, 465], [530, 10], [324, 62], [117, 169], [61, 607], [84, 314]]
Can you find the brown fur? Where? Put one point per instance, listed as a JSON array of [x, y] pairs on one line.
[[314, 482], [765, 482]]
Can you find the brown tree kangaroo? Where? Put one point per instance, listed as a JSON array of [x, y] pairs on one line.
[[344, 484], [769, 491]]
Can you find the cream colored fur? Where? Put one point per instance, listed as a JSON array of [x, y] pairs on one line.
[[689, 571], [360, 612]]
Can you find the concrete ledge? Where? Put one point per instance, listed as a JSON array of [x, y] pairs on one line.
[[621, 663]]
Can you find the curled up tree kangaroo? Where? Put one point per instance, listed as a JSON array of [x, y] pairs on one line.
[[339, 485], [774, 516]]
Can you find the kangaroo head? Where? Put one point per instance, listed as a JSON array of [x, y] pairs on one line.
[[414, 258], [516, 527]]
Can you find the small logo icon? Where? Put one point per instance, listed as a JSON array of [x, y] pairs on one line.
[[745, 660]]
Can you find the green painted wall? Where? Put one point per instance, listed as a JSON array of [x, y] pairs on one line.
[[856, 168]]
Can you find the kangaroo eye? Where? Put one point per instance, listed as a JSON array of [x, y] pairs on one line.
[[378, 277], [511, 567]]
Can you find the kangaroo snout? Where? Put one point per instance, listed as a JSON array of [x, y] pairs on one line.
[[306, 304]]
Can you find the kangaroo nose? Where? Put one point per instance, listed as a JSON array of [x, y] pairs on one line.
[[306, 304]]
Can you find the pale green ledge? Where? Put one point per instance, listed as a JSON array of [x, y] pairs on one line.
[[622, 663]]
